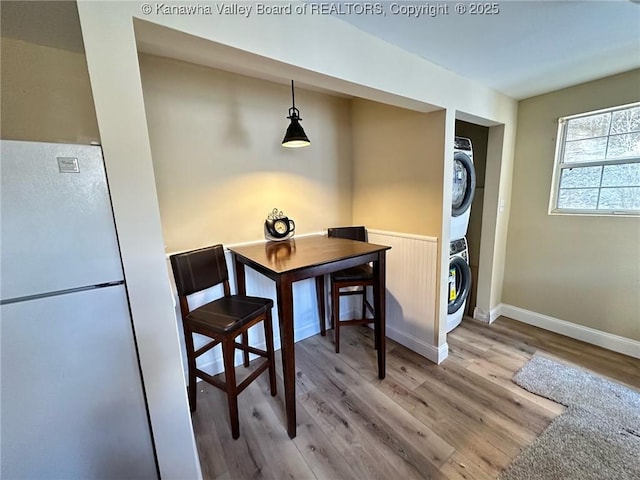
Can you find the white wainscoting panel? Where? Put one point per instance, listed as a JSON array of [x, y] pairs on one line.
[[411, 290], [411, 300]]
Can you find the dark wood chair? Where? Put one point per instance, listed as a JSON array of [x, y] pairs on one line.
[[357, 279], [222, 320]]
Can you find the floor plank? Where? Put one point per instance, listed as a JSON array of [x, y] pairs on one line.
[[463, 419], [379, 415]]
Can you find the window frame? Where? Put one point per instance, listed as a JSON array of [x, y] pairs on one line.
[[559, 166]]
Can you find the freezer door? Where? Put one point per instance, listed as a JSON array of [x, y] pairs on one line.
[[72, 403], [56, 219]]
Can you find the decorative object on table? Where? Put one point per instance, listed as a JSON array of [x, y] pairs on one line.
[[278, 226], [295, 136]]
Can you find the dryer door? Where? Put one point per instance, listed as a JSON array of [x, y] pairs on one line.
[[464, 184], [459, 283]]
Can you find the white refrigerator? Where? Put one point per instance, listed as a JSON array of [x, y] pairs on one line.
[[72, 402]]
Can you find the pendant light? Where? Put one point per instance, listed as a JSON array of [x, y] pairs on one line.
[[295, 136]]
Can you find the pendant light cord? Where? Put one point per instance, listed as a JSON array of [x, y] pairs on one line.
[[293, 96]]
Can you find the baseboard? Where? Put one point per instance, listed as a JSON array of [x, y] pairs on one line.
[[431, 352], [602, 339]]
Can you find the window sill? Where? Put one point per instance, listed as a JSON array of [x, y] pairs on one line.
[[596, 213]]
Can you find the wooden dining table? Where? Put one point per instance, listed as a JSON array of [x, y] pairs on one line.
[[295, 259]]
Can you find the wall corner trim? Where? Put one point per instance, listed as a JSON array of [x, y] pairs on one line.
[[495, 313], [487, 317], [481, 315], [443, 353], [602, 339], [431, 352]]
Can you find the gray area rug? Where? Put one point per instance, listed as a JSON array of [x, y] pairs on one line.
[[598, 436]]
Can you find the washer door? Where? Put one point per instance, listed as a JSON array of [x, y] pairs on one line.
[[459, 283], [464, 184]]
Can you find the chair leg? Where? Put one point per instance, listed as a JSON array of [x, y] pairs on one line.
[[375, 322], [331, 312], [268, 336], [335, 303], [228, 353], [245, 353], [376, 342], [191, 367], [320, 299]]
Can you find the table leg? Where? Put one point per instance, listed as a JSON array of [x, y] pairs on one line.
[[242, 290], [379, 298], [240, 279], [320, 298], [284, 292]]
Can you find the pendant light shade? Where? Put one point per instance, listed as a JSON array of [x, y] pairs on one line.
[[295, 136]]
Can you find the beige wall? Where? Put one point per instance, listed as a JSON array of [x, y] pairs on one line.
[[581, 269], [398, 168], [218, 160], [398, 162], [46, 94]]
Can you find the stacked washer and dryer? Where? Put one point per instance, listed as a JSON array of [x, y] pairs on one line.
[[464, 185]]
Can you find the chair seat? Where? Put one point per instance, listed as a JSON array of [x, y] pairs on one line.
[[229, 313], [354, 274]]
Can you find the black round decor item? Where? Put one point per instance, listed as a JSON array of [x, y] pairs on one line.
[[466, 162], [463, 283], [270, 225]]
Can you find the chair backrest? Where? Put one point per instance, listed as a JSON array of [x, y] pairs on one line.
[[200, 269], [352, 233]]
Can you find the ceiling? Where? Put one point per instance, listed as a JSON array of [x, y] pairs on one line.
[[526, 49]]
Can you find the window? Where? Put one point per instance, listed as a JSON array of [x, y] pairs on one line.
[[597, 167]]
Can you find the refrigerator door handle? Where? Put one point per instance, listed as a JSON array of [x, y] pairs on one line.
[[7, 301]]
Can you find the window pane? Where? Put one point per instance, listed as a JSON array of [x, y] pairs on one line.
[[584, 198], [625, 175], [598, 163], [624, 121], [588, 127], [627, 145], [580, 177], [620, 198], [590, 150]]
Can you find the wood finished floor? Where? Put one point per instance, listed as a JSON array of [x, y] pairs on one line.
[[463, 419]]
